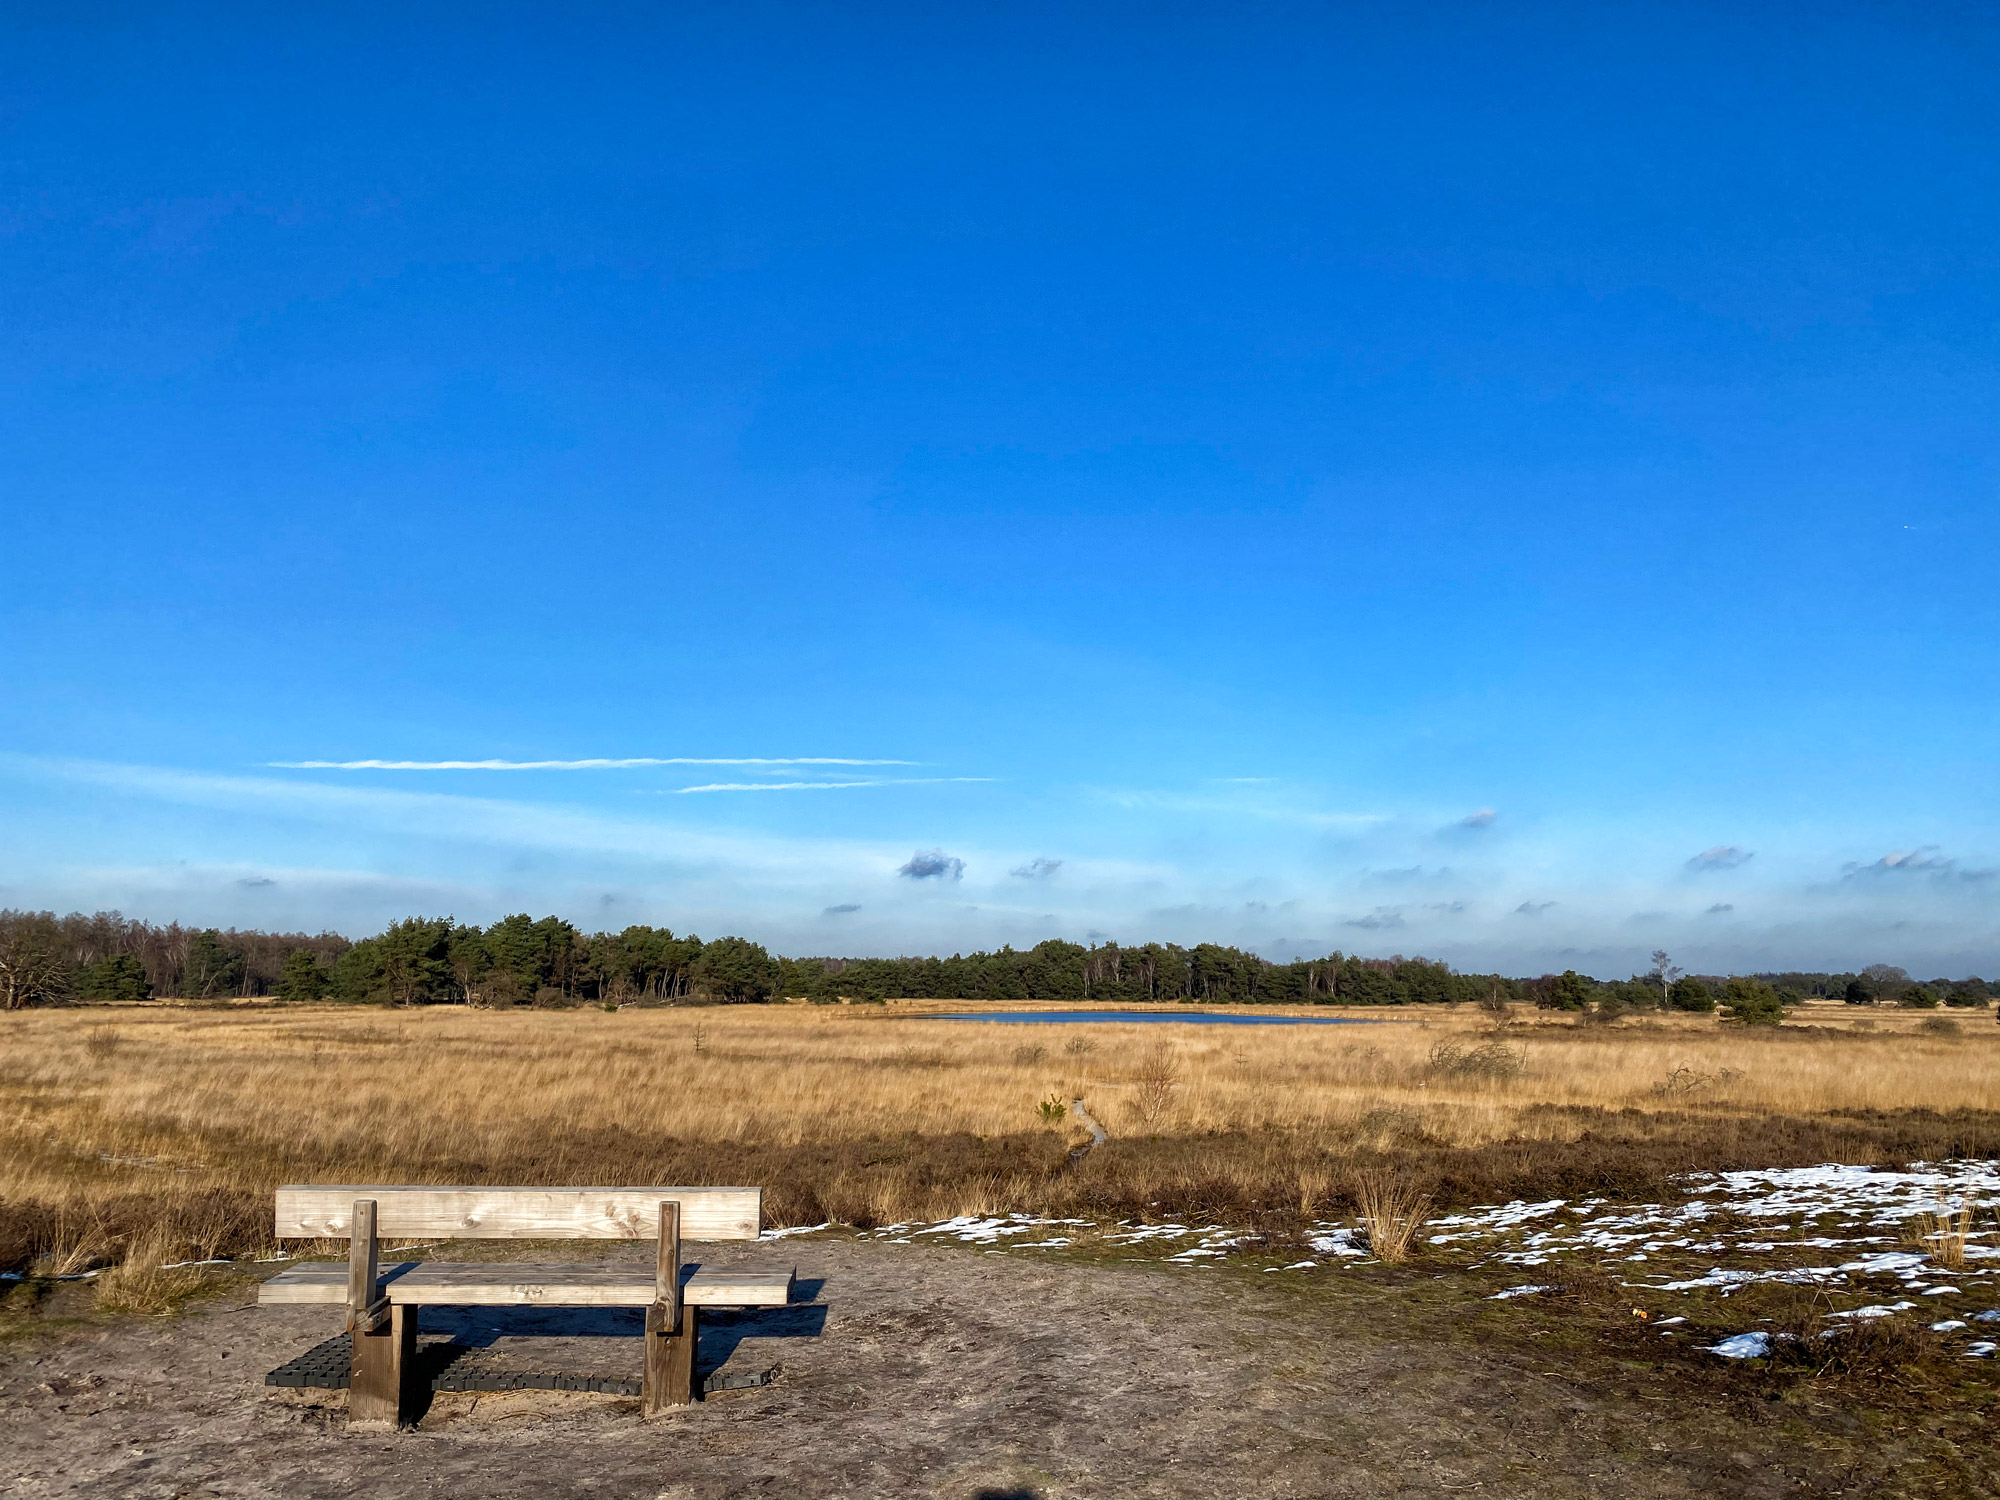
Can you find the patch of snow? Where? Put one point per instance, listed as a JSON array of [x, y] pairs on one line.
[[1716, 1277], [1876, 1310], [1888, 1262], [1743, 1346], [1518, 1291], [779, 1234], [1139, 1234], [970, 1229], [1340, 1242]]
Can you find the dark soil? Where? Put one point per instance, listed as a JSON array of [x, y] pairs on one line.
[[950, 1372]]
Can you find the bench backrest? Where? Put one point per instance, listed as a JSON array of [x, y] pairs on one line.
[[522, 1213]]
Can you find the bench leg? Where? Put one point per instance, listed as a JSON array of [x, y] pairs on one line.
[[380, 1396], [669, 1378]]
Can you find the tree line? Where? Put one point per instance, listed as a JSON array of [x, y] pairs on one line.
[[549, 962]]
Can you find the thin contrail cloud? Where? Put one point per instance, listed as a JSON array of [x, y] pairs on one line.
[[576, 765], [819, 786]]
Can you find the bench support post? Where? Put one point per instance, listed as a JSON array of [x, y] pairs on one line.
[[670, 1326], [381, 1391], [364, 1263], [669, 1380], [385, 1337]]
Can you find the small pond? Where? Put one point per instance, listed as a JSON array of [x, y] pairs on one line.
[[1185, 1018]]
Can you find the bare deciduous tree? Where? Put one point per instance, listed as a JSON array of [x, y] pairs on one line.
[[33, 969], [1664, 973], [1159, 1076]]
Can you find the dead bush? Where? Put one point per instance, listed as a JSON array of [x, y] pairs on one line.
[[1158, 1079], [1807, 1335], [1682, 1082], [1394, 1127], [1028, 1056], [1587, 1283], [1492, 1061]]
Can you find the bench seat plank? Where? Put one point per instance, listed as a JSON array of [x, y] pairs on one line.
[[520, 1213], [319, 1283], [524, 1284]]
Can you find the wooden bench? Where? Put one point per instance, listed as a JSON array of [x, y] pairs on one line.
[[382, 1302]]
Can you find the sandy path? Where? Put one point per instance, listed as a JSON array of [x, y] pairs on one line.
[[938, 1372]]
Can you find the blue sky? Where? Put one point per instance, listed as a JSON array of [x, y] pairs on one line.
[[1514, 484]]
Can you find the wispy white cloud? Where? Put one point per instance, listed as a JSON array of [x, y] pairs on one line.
[[487, 821], [595, 764], [1721, 857], [774, 786], [819, 786]]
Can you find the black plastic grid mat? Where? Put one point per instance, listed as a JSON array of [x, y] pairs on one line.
[[460, 1367]]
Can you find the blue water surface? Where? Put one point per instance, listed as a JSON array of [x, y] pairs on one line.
[[1190, 1017]]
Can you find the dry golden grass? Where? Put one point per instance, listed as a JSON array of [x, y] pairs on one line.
[[1941, 1235], [148, 1278], [188, 1117], [1392, 1210]]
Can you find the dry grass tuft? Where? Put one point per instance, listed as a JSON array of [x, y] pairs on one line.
[[1942, 1235], [76, 1242], [146, 1280], [1392, 1210], [1314, 1184]]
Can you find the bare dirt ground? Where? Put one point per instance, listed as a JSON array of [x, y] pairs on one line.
[[947, 1372]]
